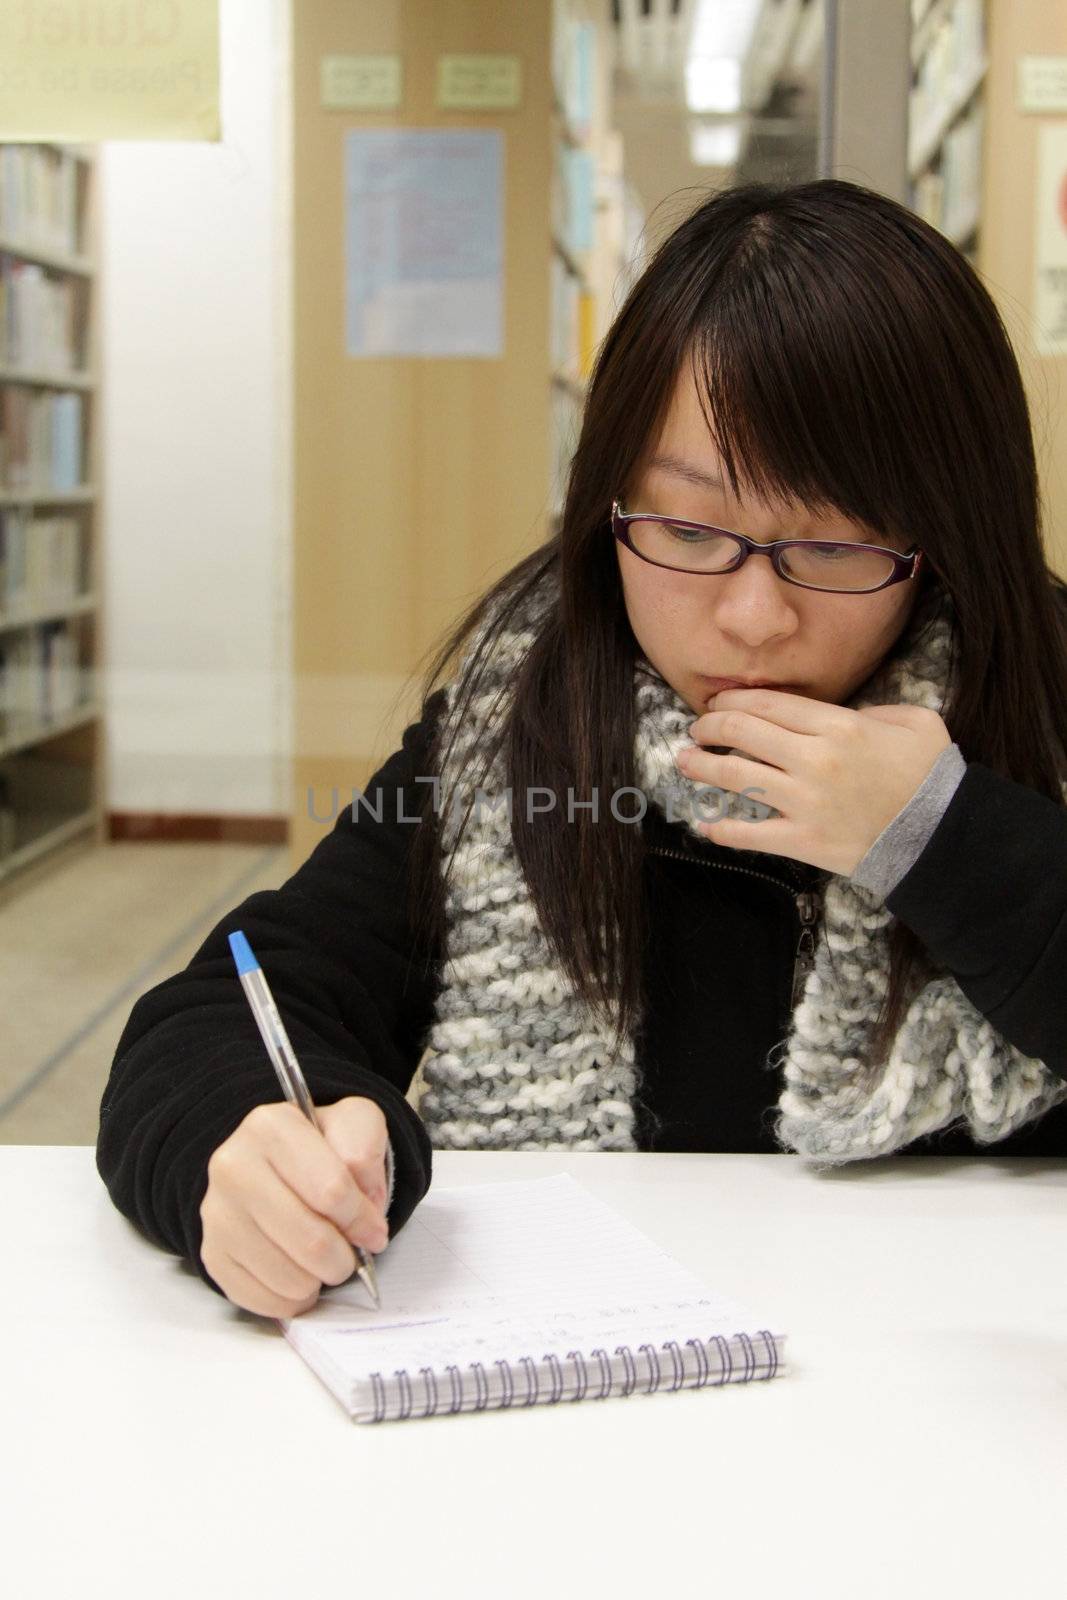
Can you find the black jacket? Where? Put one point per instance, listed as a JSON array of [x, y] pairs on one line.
[[987, 897]]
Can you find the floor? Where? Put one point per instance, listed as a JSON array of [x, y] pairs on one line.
[[79, 944]]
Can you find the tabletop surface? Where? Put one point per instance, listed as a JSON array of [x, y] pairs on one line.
[[159, 1441]]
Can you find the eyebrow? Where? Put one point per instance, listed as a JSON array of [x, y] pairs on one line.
[[707, 480], [685, 469]]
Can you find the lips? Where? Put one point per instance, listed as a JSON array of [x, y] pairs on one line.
[[743, 683]]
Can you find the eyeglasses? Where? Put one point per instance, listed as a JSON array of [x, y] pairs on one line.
[[831, 565]]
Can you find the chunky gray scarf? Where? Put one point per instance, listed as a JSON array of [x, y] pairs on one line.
[[519, 1062]]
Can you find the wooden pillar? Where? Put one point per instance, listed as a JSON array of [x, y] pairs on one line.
[[415, 480]]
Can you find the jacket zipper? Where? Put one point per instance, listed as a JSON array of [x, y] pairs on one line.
[[807, 902]]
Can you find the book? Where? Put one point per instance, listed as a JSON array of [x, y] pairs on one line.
[[529, 1292]]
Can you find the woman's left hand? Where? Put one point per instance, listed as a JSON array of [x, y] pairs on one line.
[[837, 775]]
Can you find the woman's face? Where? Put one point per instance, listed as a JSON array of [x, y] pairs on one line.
[[749, 623]]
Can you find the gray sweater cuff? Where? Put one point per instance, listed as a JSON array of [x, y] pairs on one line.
[[902, 841], [389, 1176]]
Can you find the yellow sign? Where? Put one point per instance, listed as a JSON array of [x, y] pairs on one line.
[[1041, 83], [363, 83], [479, 83], [76, 71]]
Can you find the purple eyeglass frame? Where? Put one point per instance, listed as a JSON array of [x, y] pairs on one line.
[[906, 566]]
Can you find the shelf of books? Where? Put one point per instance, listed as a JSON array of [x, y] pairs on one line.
[[50, 733], [946, 116], [596, 220]]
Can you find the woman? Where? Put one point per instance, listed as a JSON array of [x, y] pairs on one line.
[[859, 948]]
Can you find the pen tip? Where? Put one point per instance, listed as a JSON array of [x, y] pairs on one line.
[[366, 1275]]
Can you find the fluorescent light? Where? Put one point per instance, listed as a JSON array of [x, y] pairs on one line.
[[713, 83], [723, 27], [714, 144]]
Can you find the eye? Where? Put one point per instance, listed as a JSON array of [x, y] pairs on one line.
[[690, 535]]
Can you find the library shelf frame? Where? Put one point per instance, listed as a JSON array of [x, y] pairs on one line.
[[52, 765]]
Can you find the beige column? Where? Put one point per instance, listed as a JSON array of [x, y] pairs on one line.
[[416, 480]]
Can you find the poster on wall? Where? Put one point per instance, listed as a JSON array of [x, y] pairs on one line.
[[76, 73], [424, 242], [1050, 242]]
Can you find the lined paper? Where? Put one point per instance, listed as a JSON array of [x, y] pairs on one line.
[[499, 1271]]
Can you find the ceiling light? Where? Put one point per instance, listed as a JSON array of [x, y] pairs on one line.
[[723, 27], [713, 83]]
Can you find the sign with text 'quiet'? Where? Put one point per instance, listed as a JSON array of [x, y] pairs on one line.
[[75, 71]]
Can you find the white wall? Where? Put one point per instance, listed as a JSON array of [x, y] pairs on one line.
[[195, 358]]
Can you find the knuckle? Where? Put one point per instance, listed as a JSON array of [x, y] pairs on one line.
[[220, 1163], [318, 1245], [333, 1192], [302, 1283]]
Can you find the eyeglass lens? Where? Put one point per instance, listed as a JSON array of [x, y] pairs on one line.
[[823, 566]]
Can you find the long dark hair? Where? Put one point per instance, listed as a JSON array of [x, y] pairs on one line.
[[852, 361]]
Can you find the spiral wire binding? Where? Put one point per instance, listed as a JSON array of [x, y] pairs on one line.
[[725, 1373]]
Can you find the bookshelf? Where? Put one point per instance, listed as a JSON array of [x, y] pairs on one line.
[[596, 219], [51, 740], [946, 116]]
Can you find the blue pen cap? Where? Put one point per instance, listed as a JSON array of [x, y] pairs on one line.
[[242, 953]]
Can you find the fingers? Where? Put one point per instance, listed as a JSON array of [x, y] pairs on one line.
[[279, 1222], [282, 1209], [314, 1171], [249, 1292], [356, 1129]]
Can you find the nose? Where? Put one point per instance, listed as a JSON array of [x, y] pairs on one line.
[[753, 603]]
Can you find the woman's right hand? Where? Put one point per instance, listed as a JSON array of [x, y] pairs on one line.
[[284, 1205]]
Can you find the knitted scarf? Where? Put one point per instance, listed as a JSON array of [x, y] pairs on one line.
[[519, 1062]]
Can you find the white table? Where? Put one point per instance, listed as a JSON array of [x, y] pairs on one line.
[[158, 1442]]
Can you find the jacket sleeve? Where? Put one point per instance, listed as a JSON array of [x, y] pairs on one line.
[[355, 993], [988, 898]]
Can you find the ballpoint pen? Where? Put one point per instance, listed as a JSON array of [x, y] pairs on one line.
[[272, 1031]]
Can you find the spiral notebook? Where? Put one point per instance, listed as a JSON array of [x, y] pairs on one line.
[[522, 1293]]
